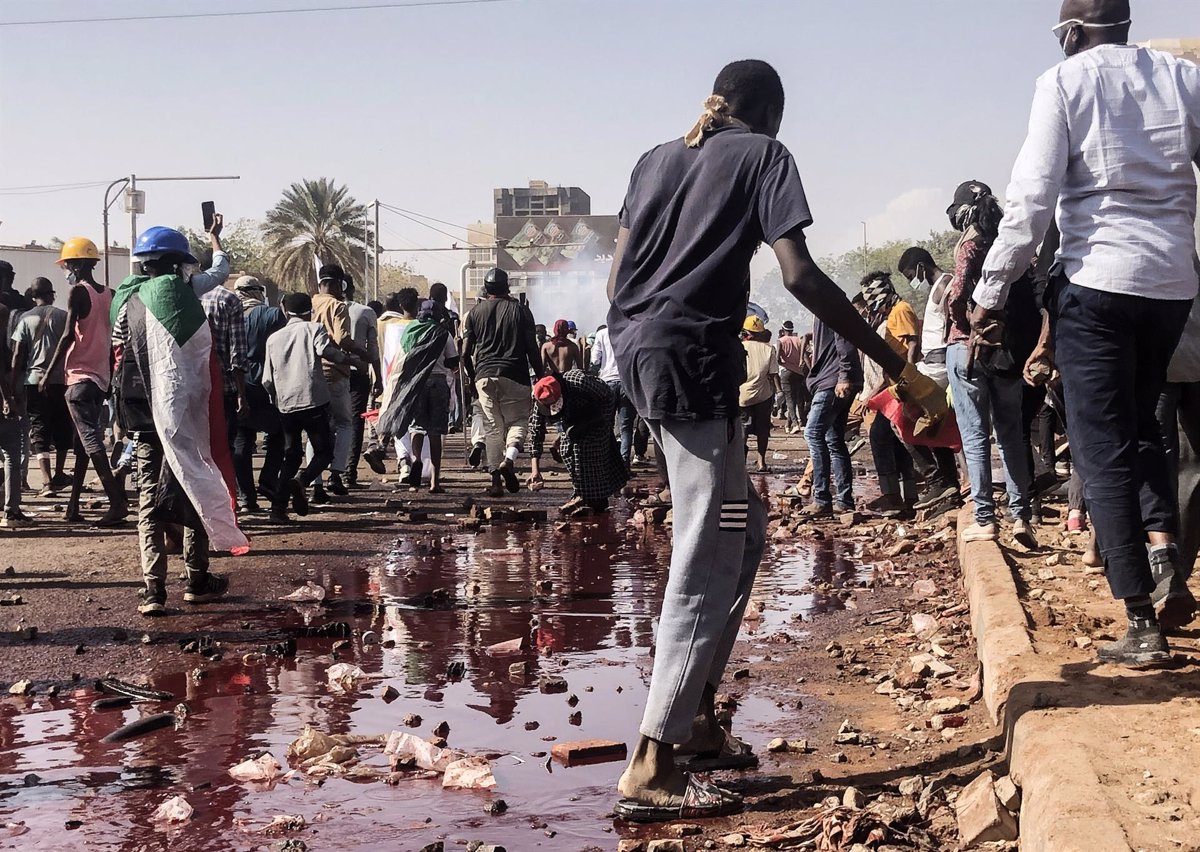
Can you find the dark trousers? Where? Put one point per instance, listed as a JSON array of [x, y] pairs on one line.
[[1179, 419], [313, 422], [264, 419], [360, 398], [1113, 350], [796, 400], [641, 438], [893, 464]]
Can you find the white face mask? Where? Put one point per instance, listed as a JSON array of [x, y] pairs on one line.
[[69, 274]]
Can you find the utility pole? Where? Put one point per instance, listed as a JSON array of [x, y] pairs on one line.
[[131, 204], [864, 269], [377, 249]]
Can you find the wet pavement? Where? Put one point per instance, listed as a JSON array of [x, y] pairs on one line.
[[584, 596]]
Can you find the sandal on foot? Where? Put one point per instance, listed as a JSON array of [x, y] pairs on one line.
[[701, 800], [733, 754]]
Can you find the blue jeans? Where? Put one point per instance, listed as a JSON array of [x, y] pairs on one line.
[[826, 436], [983, 401], [626, 415]]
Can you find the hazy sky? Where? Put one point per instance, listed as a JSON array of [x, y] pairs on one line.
[[891, 103]]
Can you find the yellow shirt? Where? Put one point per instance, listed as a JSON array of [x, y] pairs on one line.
[[902, 322]]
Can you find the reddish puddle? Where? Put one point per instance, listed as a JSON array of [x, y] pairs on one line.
[[593, 626]]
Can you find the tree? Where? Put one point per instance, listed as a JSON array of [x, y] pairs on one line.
[[243, 243], [314, 219], [847, 271]]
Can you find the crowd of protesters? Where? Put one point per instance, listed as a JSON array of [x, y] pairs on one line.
[[1039, 326]]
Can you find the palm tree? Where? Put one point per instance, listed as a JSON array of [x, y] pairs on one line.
[[314, 219]]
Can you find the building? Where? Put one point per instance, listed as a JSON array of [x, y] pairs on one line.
[[35, 261], [541, 199]]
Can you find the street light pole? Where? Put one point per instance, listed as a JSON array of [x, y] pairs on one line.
[[377, 249], [131, 186], [864, 271], [107, 205]]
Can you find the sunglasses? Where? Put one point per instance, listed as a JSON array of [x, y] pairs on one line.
[[1060, 30]]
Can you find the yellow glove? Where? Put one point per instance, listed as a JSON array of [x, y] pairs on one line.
[[920, 390]]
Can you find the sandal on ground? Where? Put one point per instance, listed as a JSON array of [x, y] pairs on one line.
[[733, 754], [701, 800]]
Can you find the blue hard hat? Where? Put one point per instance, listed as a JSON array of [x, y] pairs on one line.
[[160, 240]]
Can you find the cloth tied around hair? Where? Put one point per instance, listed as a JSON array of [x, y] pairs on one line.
[[716, 115]]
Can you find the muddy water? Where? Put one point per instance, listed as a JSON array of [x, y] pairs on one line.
[[585, 598]]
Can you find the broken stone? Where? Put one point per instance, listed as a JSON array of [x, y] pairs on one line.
[[853, 798], [944, 705], [551, 684], [737, 840], [442, 730], [21, 687], [1046, 574], [668, 845], [401, 745], [981, 816], [943, 721], [779, 744], [923, 624], [912, 786], [343, 676], [389, 694], [411, 720], [311, 743], [1008, 794], [310, 592], [924, 589], [939, 669], [518, 670], [261, 768], [469, 773], [174, 809], [631, 845], [508, 648], [589, 751]]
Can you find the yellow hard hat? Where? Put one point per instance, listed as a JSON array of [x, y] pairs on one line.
[[78, 248], [754, 324]]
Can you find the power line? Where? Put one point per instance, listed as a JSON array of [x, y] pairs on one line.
[[46, 189], [358, 7], [455, 237], [402, 211]]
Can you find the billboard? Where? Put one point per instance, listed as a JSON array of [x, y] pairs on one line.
[[533, 244]]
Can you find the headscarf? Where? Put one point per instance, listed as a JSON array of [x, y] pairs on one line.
[[562, 328], [880, 294], [715, 116], [975, 206], [251, 291]]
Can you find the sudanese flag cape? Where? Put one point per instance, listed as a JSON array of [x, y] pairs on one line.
[[170, 342]]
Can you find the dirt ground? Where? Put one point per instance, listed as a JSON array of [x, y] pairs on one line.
[[860, 661]]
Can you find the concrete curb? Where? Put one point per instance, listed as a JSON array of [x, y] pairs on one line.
[[1063, 805]]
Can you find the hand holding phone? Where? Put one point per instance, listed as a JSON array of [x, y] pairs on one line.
[[209, 211]]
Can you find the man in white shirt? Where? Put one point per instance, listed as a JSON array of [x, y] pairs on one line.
[[605, 363], [1113, 133]]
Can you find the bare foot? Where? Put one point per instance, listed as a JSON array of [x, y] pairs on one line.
[[1091, 556], [652, 778]]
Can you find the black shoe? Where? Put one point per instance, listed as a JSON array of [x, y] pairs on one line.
[[1142, 647], [279, 517], [249, 509], [937, 494], [299, 498], [511, 483], [15, 519], [153, 602], [475, 459], [351, 481], [1174, 600], [374, 460], [319, 497], [208, 588], [336, 486]]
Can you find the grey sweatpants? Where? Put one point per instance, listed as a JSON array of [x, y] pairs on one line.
[[720, 528]]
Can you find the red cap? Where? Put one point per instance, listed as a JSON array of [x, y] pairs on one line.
[[548, 392]]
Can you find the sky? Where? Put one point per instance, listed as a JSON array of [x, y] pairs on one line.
[[890, 104]]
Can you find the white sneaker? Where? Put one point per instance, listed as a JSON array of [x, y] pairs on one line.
[[980, 532], [1023, 534]]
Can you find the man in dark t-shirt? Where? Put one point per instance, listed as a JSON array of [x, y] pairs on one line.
[[696, 210], [499, 350]]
